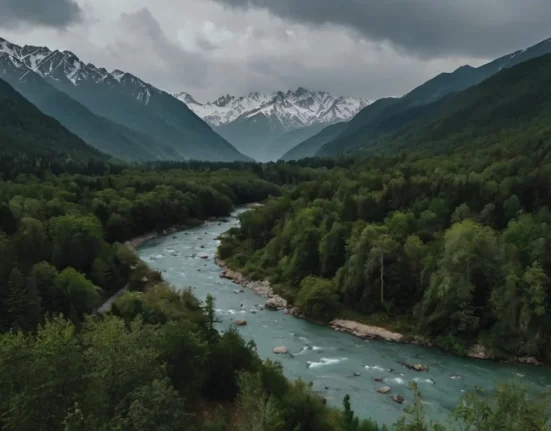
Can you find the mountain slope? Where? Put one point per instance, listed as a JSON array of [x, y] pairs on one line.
[[27, 131], [310, 146], [367, 122], [105, 135], [147, 115], [263, 125], [506, 112]]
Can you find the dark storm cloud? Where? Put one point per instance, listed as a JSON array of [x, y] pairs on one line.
[[432, 28], [50, 13]]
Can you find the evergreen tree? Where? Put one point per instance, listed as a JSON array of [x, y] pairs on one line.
[[23, 303]]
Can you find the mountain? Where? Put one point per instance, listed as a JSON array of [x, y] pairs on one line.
[[390, 114], [25, 130], [260, 124], [509, 111], [310, 146], [107, 136], [132, 118]]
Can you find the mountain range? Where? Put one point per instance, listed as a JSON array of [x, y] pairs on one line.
[[389, 115], [265, 126], [115, 112]]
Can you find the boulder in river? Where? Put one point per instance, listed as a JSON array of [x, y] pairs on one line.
[[420, 367], [281, 350], [379, 379], [204, 257], [240, 323], [397, 399], [384, 389]]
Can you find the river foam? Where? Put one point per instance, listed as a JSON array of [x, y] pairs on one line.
[[323, 362]]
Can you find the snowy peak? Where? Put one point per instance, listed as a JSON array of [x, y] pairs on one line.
[[186, 98], [291, 109], [65, 66]]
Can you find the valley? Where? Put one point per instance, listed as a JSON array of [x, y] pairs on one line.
[[388, 241]]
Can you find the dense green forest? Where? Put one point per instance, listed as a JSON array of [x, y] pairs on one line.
[[455, 247], [155, 361]]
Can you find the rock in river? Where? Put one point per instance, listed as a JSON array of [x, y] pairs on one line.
[[281, 350], [384, 389], [240, 323], [397, 399]]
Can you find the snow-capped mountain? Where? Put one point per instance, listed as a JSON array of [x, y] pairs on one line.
[[141, 113], [265, 126], [294, 109]]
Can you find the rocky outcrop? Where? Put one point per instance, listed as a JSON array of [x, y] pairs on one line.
[[255, 206], [365, 331], [478, 351], [260, 287], [275, 303], [295, 312], [528, 360]]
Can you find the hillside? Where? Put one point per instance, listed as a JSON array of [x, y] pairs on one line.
[[367, 123], [24, 130], [507, 110], [312, 145]]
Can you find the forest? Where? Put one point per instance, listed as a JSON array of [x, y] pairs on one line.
[[453, 247], [156, 360]]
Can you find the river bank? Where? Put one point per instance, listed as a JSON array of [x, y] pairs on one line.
[[360, 330], [335, 363]]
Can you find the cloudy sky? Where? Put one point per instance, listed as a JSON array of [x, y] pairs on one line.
[[368, 48]]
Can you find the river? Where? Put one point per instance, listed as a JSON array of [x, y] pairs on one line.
[[327, 358]]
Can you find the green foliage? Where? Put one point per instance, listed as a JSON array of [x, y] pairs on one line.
[[257, 410], [317, 298], [509, 409]]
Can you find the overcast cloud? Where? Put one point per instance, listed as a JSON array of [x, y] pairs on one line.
[[51, 13], [368, 48]]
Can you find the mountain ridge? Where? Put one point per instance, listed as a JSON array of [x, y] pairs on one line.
[[126, 100]]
